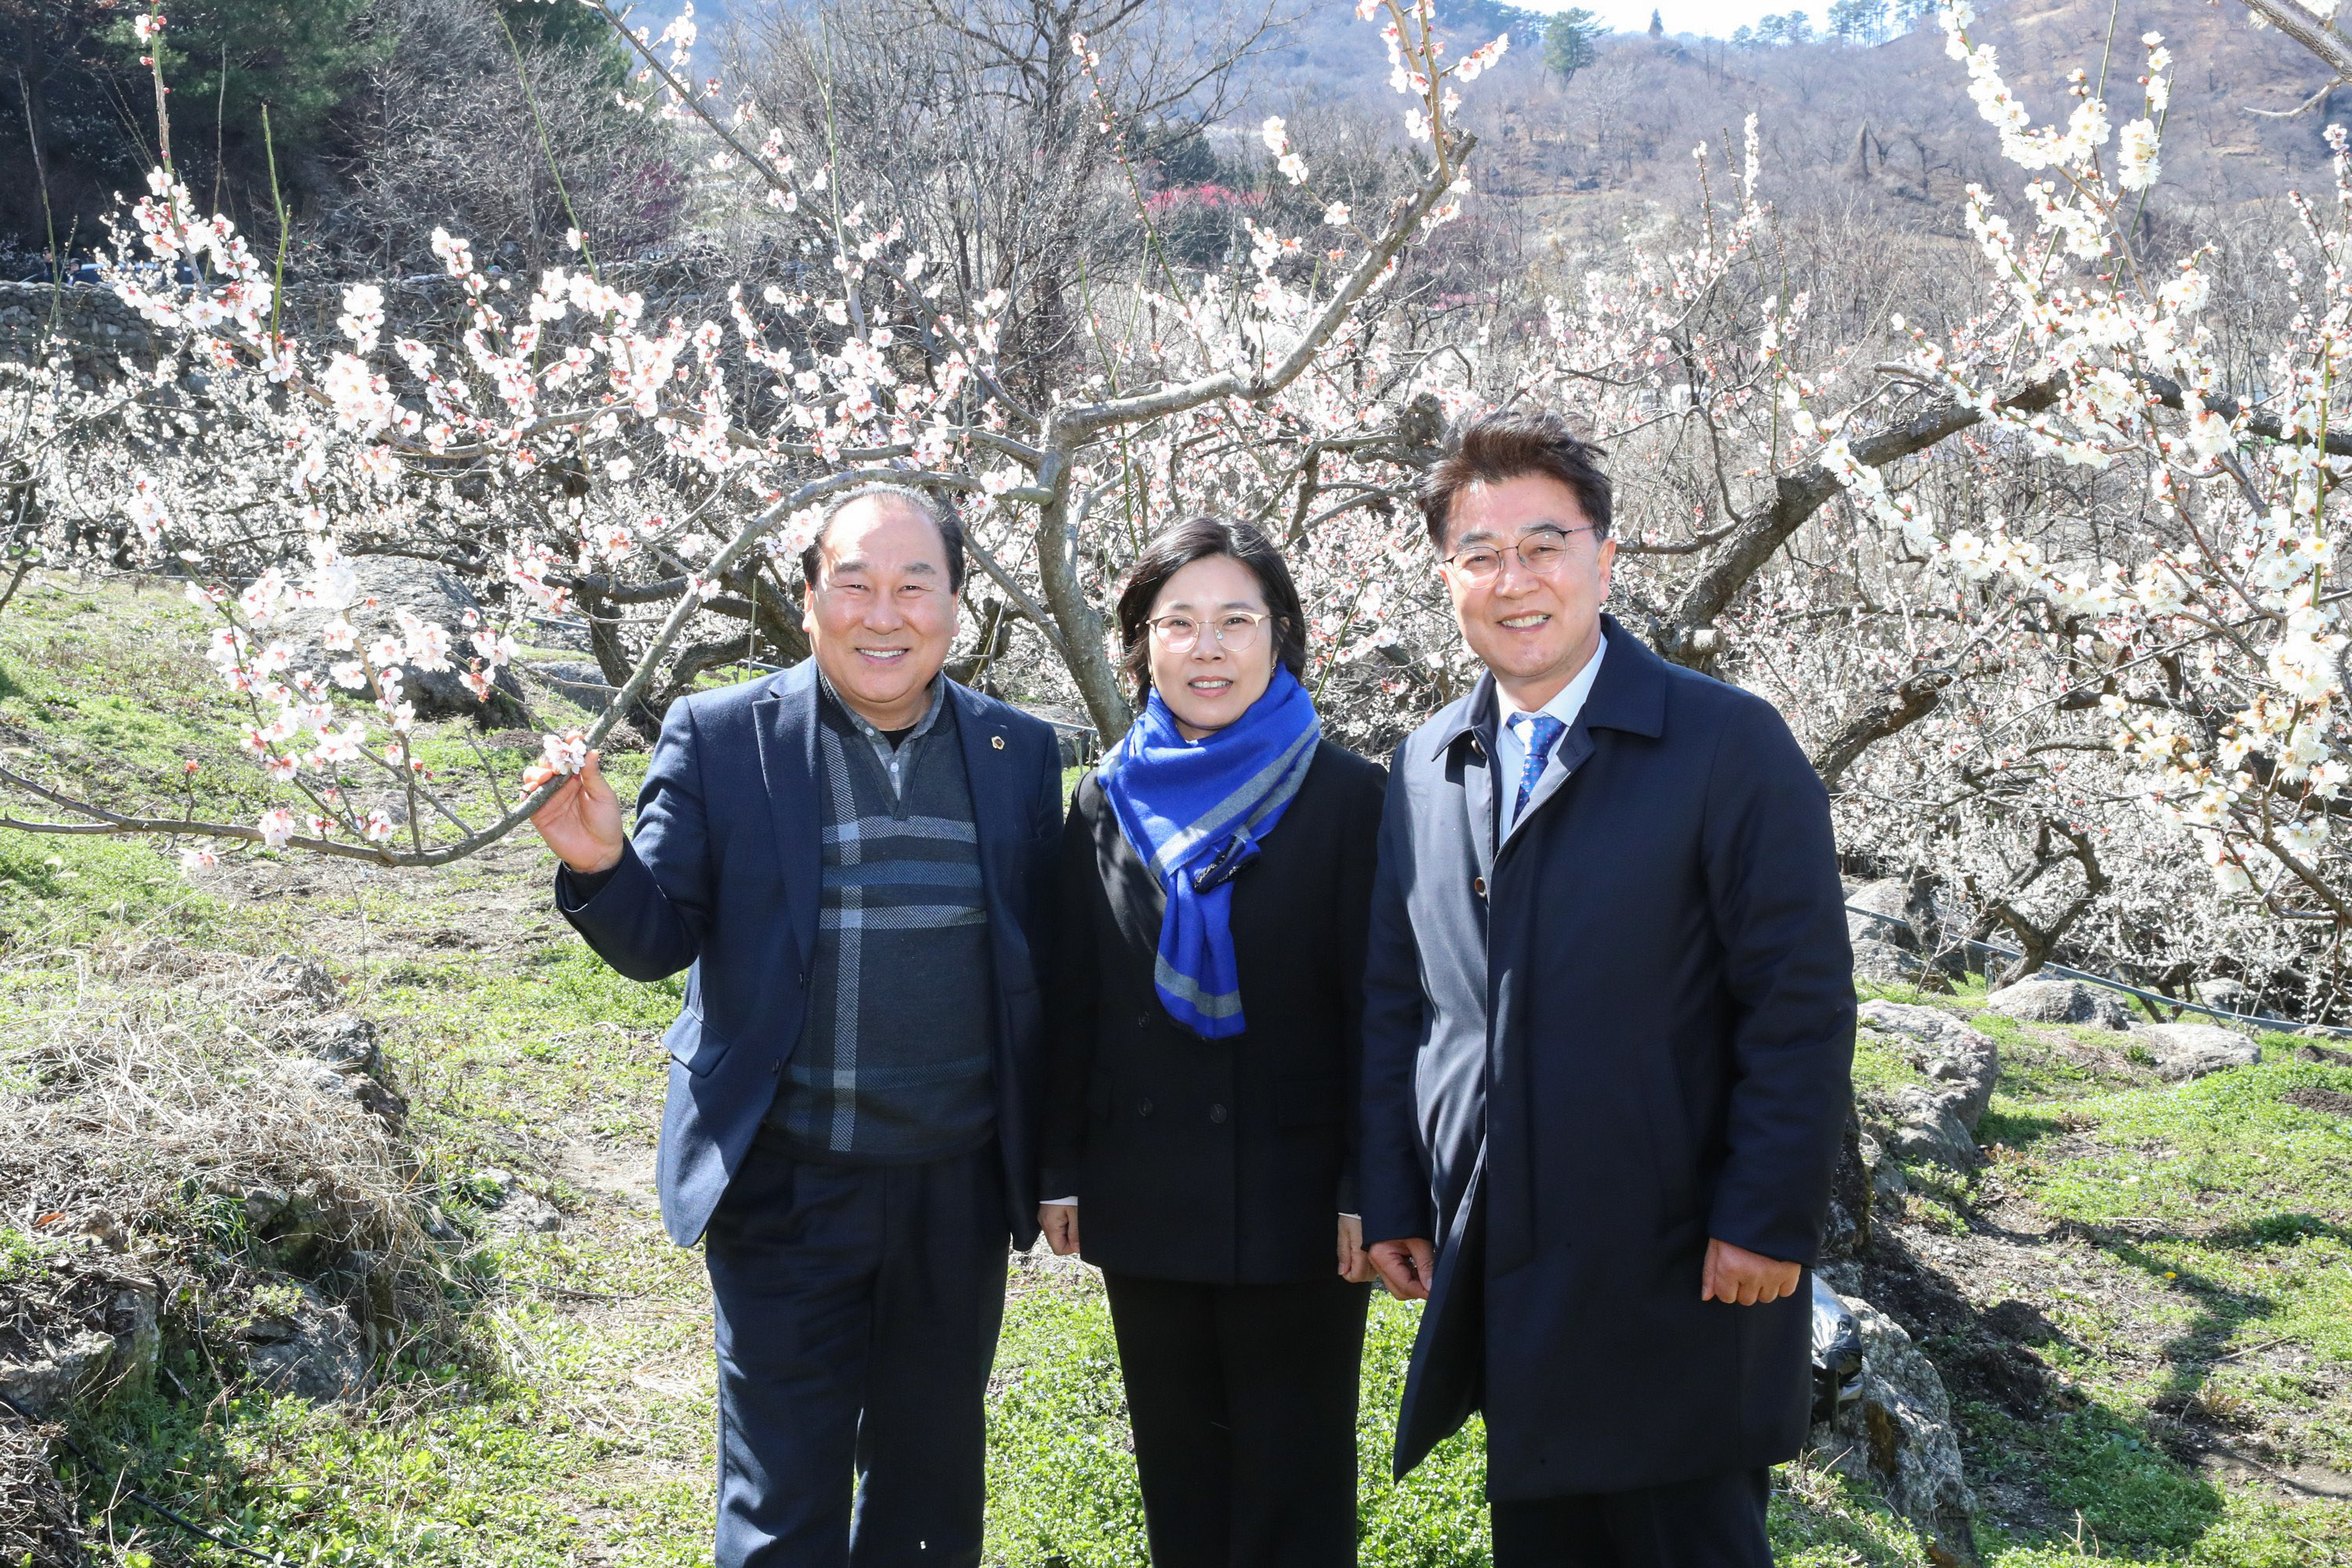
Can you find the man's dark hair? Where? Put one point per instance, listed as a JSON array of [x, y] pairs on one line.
[[1196, 539], [1511, 445], [942, 518]]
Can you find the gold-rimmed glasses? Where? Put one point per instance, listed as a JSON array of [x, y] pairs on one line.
[[1236, 631]]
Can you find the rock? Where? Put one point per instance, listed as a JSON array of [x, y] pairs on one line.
[[1887, 1183], [1847, 1233], [2059, 1002], [1882, 962], [432, 595], [134, 1318], [2322, 1054], [47, 1378], [528, 1213], [1897, 1434], [309, 1073], [107, 1353], [2230, 996], [1964, 1061], [2183, 1051], [308, 1347], [1902, 899], [343, 1041], [288, 978], [1929, 1131]]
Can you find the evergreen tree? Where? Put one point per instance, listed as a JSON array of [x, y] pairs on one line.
[[1567, 42]]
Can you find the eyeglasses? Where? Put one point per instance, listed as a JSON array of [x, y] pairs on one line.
[[1539, 550], [1236, 631]]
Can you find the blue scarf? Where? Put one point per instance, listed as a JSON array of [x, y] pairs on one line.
[[1195, 811]]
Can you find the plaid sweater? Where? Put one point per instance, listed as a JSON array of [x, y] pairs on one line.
[[893, 1064]]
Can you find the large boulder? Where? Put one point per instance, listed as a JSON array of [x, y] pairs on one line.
[[1896, 1435], [1929, 1131], [1961, 1063], [2183, 1051], [1880, 962], [386, 585], [2039, 1000], [2230, 996], [1908, 917]]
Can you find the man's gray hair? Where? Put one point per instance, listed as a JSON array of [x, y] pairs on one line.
[[942, 518]]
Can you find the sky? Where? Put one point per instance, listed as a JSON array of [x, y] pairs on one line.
[[1715, 18]]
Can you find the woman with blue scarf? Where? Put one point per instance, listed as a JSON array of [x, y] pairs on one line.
[[1204, 1021]]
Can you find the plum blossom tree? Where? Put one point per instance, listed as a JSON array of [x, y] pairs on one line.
[[2046, 593]]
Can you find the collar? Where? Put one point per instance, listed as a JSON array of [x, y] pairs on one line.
[[1629, 695], [865, 727], [1568, 701]]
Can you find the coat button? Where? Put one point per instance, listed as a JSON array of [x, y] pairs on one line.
[[775, 1069], [1478, 886], [1143, 1106], [1216, 1113], [1143, 1020]]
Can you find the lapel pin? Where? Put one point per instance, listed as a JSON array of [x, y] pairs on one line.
[[997, 740]]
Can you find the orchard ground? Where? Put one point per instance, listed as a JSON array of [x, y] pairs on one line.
[[2173, 1264]]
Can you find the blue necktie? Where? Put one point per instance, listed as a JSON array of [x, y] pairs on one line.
[[1540, 732]]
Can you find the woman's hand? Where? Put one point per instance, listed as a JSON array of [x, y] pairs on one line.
[[1355, 1263], [1060, 1223]]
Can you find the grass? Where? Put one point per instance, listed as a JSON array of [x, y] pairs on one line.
[[2199, 1257]]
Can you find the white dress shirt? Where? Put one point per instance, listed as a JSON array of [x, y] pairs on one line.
[[1514, 722]]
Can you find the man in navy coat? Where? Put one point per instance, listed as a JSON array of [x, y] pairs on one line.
[[853, 861], [1608, 1032]]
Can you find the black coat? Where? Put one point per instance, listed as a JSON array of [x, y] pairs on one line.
[[1625, 1030], [1216, 1162]]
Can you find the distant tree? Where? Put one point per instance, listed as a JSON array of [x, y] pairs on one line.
[[1778, 32], [1567, 42], [1858, 21], [1657, 24]]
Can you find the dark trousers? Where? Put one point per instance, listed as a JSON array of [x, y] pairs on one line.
[[1717, 1521], [857, 1310], [1242, 1399]]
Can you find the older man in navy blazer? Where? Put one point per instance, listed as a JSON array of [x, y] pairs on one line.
[[1608, 1031], [853, 861]]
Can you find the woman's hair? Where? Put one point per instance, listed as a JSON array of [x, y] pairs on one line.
[[1196, 539]]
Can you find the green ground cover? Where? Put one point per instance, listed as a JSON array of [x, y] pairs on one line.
[[2192, 1246]]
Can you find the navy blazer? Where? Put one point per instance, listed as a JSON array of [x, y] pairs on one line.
[[1626, 1027], [723, 877]]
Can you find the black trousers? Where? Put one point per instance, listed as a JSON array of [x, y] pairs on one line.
[[1714, 1523], [1242, 1399], [857, 1310]]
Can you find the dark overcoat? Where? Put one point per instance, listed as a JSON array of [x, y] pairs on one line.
[[1215, 1161], [1626, 1028], [723, 877]]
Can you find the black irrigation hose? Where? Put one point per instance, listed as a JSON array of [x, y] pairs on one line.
[[142, 1499], [2282, 1026]]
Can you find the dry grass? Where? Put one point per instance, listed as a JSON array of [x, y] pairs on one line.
[[167, 1103], [36, 1523]]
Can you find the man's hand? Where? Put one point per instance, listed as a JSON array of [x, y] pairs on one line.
[[1355, 1263], [581, 821], [1060, 1223], [1745, 1279], [1405, 1267]]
